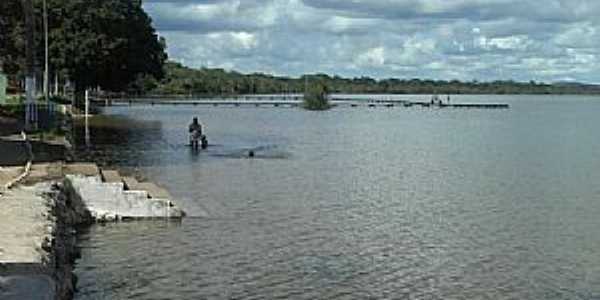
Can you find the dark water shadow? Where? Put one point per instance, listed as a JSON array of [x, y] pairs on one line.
[[259, 152], [14, 153]]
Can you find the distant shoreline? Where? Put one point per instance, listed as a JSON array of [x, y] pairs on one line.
[[182, 80]]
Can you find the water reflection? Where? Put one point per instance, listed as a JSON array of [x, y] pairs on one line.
[[107, 140]]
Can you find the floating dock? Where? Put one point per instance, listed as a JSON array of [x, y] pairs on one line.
[[480, 105]]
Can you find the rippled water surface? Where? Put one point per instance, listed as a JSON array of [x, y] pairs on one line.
[[356, 203]]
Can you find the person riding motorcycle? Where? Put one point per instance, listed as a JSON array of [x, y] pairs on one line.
[[195, 131]]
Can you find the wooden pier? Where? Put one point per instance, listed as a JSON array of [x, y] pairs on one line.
[[292, 101], [459, 105]]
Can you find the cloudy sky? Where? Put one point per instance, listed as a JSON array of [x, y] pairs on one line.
[[543, 40]]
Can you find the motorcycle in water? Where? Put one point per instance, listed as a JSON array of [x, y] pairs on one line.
[[197, 139]]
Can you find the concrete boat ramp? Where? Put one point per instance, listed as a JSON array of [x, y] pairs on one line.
[[38, 215], [105, 193], [109, 196]]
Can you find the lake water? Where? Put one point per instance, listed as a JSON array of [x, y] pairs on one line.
[[357, 203]]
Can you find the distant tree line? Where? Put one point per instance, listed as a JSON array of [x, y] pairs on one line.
[[181, 80], [92, 43]]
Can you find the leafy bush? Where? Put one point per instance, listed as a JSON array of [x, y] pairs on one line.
[[11, 111], [15, 99], [316, 97]]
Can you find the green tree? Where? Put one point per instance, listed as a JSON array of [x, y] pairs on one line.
[[12, 37], [96, 43], [316, 97], [106, 43]]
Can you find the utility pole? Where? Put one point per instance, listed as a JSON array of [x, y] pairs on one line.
[[46, 71], [30, 109]]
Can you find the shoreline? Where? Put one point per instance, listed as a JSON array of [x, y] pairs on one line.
[[41, 257], [47, 200]]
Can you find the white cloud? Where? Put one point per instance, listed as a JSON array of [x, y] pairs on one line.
[[245, 40], [579, 35], [483, 39], [415, 50], [374, 57], [504, 43]]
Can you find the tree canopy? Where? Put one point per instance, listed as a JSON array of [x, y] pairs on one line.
[[12, 37], [96, 43], [181, 80]]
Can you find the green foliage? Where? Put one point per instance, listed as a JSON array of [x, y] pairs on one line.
[[316, 97], [181, 80], [105, 43], [142, 83], [47, 134], [11, 111], [12, 37], [15, 99], [96, 43]]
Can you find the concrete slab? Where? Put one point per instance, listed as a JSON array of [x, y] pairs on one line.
[[24, 226], [130, 182], [85, 169], [43, 172], [38, 172], [7, 174], [154, 191], [111, 176], [108, 201]]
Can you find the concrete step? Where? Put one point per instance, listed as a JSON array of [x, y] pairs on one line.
[[7, 174], [43, 172], [154, 191], [108, 201], [84, 169], [130, 182], [111, 176]]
